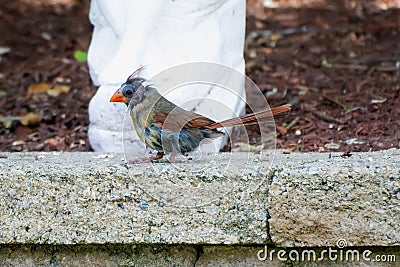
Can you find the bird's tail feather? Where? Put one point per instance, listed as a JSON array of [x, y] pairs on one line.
[[254, 118]]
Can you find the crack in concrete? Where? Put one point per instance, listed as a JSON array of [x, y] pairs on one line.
[[199, 253], [268, 216]]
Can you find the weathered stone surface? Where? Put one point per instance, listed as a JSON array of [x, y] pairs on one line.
[[315, 200], [75, 198], [311, 199]]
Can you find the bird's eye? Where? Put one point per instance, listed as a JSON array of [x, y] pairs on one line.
[[128, 90]]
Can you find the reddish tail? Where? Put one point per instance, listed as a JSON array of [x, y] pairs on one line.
[[254, 118]]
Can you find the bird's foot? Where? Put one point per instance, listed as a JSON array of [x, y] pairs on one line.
[[147, 159], [172, 157]]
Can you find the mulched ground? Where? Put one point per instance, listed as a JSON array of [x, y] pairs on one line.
[[340, 71]]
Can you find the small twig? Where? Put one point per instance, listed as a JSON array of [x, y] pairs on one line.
[[290, 125], [327, 118], [358, 67], [361, 83], [344, 66], [333, 100]]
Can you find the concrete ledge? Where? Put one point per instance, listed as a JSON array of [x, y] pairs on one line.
[[239, 199]]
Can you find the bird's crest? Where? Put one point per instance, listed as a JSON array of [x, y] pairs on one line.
[[135, 73]]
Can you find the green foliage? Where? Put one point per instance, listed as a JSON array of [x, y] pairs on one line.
[[80, 56]]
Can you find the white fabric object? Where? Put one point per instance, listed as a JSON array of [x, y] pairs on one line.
[[161, 34]]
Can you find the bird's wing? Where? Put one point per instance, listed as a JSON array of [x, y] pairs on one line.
[[179, 119]]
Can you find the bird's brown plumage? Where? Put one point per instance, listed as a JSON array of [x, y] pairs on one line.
[[167, 128]]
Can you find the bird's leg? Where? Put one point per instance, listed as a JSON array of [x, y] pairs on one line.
[[172, 157], [147, 159]]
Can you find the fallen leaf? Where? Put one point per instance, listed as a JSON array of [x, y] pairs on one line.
[[6, 122], [18, 143], [266, 50], [275, 37], [31, 119], [33, 136], [72, 145], [51, 142], [21, 132], [38, 88], [281, 130], [55, 91]]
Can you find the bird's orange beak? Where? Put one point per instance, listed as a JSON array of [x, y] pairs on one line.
[[118, 97]]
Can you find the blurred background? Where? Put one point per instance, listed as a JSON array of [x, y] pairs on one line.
[[337, 62]]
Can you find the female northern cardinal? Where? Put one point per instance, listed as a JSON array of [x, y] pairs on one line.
[[167, 128]]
